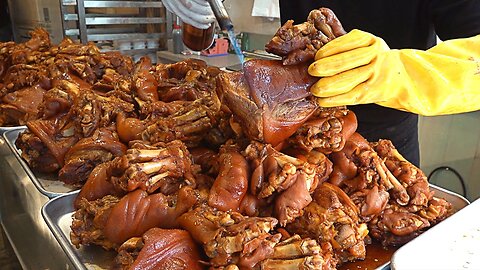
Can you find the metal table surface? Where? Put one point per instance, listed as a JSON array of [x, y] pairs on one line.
[[220, 61], [21, 219]]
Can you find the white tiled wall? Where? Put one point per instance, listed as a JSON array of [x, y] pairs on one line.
[[453, 141]]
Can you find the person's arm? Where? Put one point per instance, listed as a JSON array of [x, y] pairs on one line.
[[455, 19], [197, 13], [359, 68]]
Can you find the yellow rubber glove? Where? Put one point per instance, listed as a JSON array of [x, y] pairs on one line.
[[359, 68]]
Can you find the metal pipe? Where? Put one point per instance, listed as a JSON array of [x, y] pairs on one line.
[[221, 14]]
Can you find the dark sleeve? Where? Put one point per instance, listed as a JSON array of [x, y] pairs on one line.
[[296, 10], [456, 18], [4, 17]]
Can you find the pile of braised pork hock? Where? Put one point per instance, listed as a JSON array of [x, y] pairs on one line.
[[185, 166]]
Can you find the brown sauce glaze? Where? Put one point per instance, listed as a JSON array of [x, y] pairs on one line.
[[377, 255]]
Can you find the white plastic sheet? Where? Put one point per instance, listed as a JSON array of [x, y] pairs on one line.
[[266, 8]]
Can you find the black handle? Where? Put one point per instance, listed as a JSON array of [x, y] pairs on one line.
[[221, 14]]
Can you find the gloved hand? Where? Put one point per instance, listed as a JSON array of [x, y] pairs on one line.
[[359, 68], [197, 13]]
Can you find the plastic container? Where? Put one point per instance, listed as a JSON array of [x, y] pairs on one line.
[[177, 39], [220, 47], [245, 42]]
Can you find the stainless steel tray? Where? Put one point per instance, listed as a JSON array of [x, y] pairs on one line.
[[58, 216], [5, 129], [48, 185]]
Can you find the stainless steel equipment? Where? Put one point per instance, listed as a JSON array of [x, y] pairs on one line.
[[136, 28], [133, 27], [26, 15], [58, 215], [221, 15], [48, 185], [20, 216]]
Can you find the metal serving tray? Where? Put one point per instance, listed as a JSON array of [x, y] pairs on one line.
[[5, 129], [58, 216], [48, 185]]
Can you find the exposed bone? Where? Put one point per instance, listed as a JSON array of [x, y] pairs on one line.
[[394, 152], [292, 253], [281, 181], [382, 172], [284, 159], [280, 170], [195, 126], [290, 203], [305, 263], [347, 200], [190, 116], [142, 155], [400, 193], [152, 167], [134, 243], [295, 246], [153, 180], [229, 237], [258, 250]]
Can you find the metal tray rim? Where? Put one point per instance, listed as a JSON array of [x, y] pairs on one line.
[[28, 171], [5, 129], [76, 261], [59, 234]]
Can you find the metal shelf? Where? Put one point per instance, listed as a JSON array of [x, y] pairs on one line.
[[100, 19], [93, 31], [126, 36], [136, 51], [122, 20], [109, 4], [122, 4], [95, 21]]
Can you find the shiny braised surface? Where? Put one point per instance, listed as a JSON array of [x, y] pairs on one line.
[[377, 255], [308, 202], [97, 257], [298, 43], [269, 99], [161, 249]]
